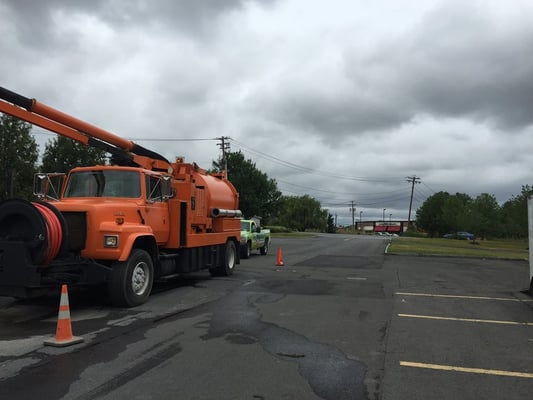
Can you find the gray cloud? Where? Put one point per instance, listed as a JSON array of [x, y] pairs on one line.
[[38, 20], [461, 62], [457, 62]]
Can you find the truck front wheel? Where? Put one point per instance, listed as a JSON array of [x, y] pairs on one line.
[[131, 281], [263, 250]]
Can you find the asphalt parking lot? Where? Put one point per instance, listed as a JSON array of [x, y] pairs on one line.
[[460, 329]]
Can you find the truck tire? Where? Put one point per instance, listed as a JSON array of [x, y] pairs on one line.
[[264, 250], [230, 259], [131, 281]]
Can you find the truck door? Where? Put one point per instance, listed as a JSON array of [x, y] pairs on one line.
[[258, 237], [156, 214]]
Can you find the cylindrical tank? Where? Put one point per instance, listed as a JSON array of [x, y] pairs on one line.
[[220, 193]]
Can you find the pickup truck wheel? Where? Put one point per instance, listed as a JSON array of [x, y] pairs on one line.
[[131, 281], [263, 250], [247, 250]]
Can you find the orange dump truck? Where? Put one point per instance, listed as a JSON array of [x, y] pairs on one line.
[[121, 226]]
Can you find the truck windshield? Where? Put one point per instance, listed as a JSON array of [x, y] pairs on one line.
[[104, 184]]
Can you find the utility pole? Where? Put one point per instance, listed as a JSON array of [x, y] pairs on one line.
[[352, 209], [224, 146], [412, 180]]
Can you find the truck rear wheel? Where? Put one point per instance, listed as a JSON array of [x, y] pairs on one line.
[[230, 259], [131, 281]]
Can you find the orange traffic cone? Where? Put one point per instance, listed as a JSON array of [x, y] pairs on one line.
[[64, 330], [279, 262]]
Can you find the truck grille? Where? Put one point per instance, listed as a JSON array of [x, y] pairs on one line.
[[77, 230]]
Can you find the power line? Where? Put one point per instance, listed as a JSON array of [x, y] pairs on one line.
[[310, 170], [432, 191], [360, 196], [423, 192]]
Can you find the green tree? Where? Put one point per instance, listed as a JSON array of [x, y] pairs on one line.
[[514, 214], [456, 213], [485, 216], [431, 217], [302, 213], [445, 213], [61, 154], [18, 156], [258, 194]]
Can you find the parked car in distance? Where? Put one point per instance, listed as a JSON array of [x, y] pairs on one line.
[[460, 235]]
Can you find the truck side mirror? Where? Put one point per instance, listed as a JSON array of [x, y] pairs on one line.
[[167, 191], [48, 186]]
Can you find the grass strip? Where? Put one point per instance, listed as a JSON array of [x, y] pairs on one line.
[[503, 249]]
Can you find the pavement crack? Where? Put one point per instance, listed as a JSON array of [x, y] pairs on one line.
[[291, 355], [329, 372]]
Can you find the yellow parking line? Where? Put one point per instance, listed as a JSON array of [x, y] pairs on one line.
[[485, 321], [468, 370], [451, 296]]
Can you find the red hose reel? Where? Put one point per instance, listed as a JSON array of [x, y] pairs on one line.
[[54, 232], [39, 225]]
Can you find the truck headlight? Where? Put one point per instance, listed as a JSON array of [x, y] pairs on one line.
[[110, 241]]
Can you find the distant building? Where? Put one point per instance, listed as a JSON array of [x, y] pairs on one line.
[[379, 226]]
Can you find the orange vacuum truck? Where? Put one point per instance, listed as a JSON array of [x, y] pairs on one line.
[[120, 226]]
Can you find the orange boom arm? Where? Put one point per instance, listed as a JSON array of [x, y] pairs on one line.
[[30, 110]]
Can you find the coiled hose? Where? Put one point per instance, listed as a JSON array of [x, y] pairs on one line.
[[38, 224], [54, 232]]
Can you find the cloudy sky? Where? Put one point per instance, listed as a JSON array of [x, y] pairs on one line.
[[339, 99]]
